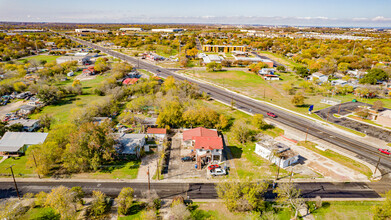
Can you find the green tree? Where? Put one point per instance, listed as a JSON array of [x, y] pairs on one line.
[[242, 196], [301, 71], [213, 66], [241, 131], [373, 76], [343, 67], [281, 69], [257, 121], [170, 115], [383, 211], [125, 200], [62, 200], [298, 100], [88, 148], [100, 205]]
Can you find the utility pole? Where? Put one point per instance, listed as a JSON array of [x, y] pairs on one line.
[[13, 177], [36, 166], [149, 182], [339, 107], [264, 93]]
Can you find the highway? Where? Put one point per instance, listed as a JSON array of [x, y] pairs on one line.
[[189, 190], [361, 150]]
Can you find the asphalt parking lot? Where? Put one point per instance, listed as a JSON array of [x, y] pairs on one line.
[[347, 108]]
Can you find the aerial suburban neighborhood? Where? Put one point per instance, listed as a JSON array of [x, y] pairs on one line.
[[193, 119]]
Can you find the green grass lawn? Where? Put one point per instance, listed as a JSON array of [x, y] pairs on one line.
[[61, 112], [135, 212], [20, 168], [346, 161], [41, 213], [128, 170], [48, 58], [349, 210]]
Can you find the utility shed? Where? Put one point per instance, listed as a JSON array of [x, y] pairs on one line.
[[18, 142], [278, 153]]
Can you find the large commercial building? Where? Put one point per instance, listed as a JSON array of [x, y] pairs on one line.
[[131, 29], [167, 30], [223, 48]]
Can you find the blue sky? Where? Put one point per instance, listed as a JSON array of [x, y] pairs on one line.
[[272, 12]]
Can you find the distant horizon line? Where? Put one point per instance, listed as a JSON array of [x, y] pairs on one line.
[[215, 24]]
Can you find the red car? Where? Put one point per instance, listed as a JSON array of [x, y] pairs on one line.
[[213, 166], [271, 114], [385, 151]]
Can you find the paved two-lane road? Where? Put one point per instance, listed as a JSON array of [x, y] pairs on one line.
[[189, 190]]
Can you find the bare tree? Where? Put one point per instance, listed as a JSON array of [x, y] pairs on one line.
[[288, 194]]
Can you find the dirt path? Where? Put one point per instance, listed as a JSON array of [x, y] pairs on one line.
[[148, 161], [10, 107]]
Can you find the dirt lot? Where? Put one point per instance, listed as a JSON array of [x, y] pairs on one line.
[[10, 107], [347, 108]]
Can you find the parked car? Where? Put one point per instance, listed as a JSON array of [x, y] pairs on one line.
[[271, 114], [385, 151], [218, 172], [213, 166], [187, 158]]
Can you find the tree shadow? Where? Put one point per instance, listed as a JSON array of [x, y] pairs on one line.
[[236, 151], [136, 208]]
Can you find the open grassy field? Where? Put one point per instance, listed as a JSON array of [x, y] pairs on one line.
[[346, 161], [349, 210], [61, 111], [20, 167], [48, 58], [280, 58]]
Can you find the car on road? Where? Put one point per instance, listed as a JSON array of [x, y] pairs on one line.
[[218, 172], [187, 158], [385, 151], [213, 166], [158, 70], [271, 114]]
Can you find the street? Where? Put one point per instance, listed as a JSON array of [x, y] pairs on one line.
[[189, 190]]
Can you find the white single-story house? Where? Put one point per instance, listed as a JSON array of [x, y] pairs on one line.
[[319, 76], [18, 142], [212, 58], [158, 133], [271, 77], [26, 109], [28, 124], [130, 144], [266, 71], [277, 153]]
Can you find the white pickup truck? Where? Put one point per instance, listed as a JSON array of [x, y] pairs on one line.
[[218, 172]]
